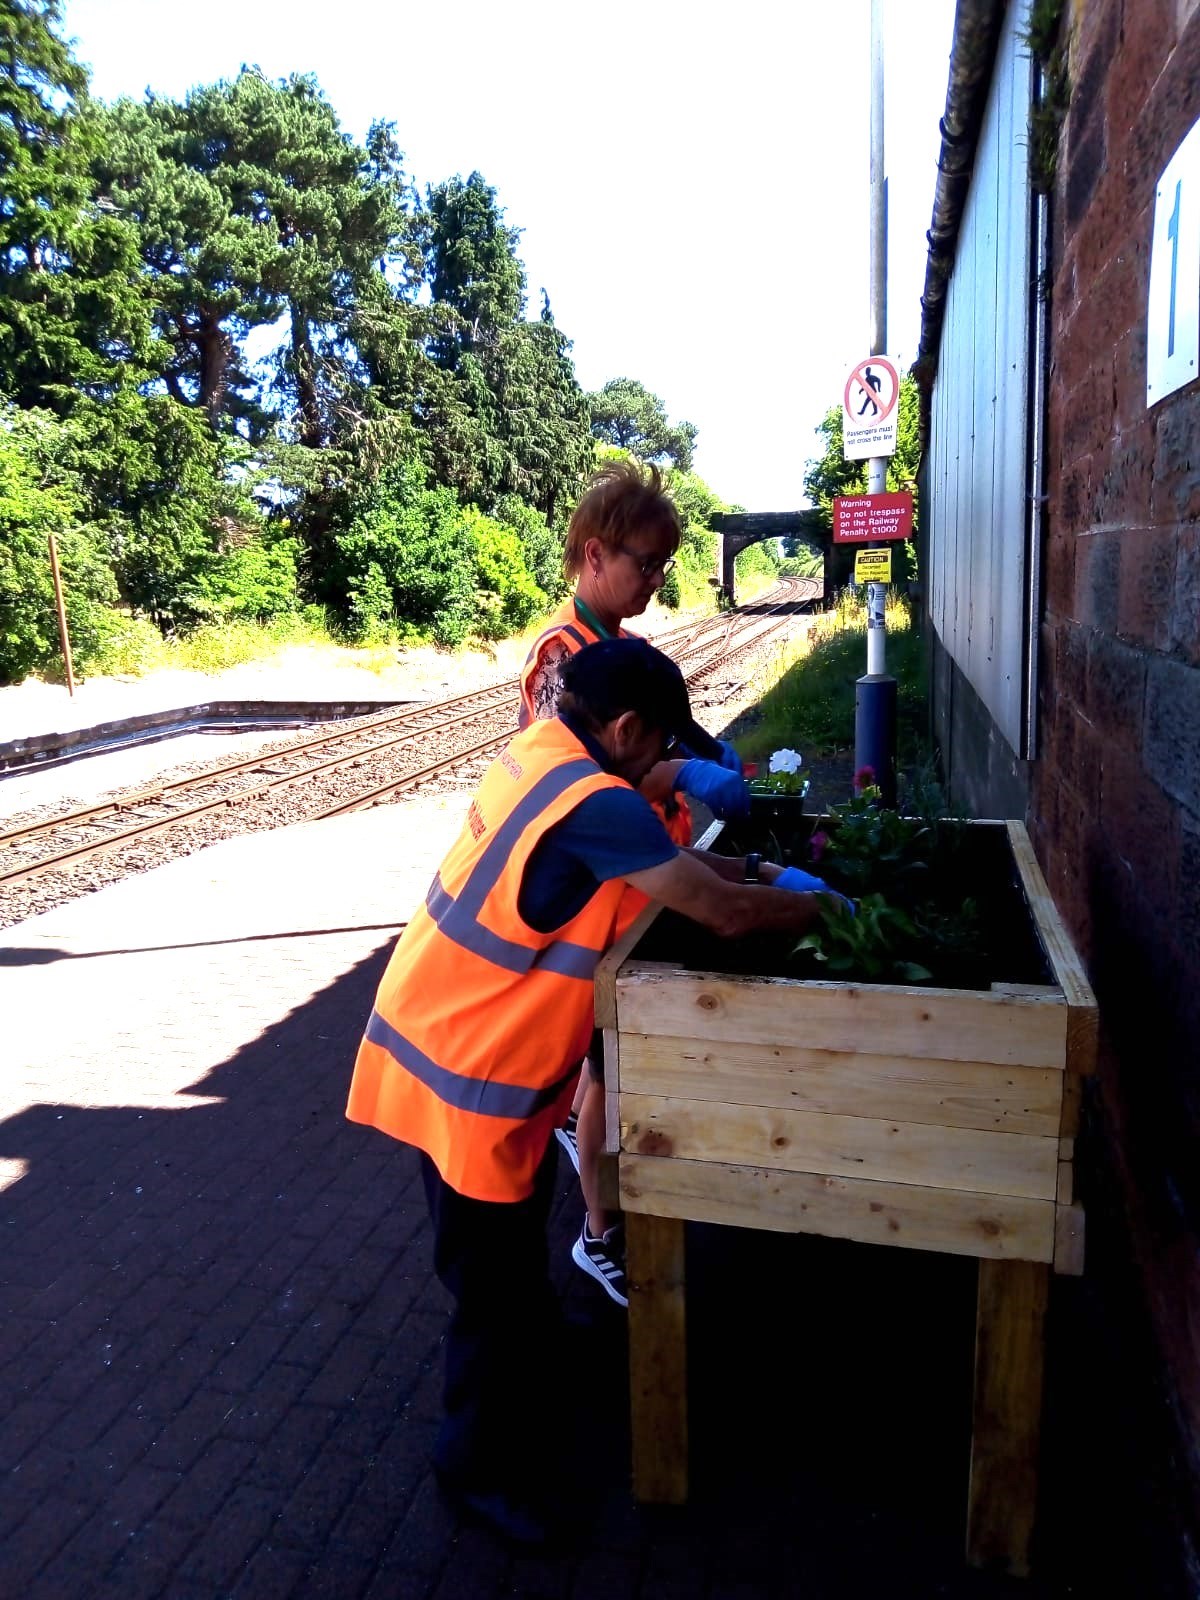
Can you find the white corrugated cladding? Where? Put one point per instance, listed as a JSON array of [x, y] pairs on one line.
[[977, 446]]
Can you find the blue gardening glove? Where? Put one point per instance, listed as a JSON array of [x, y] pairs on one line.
[[730, 760], [724, 793], [801, 882]]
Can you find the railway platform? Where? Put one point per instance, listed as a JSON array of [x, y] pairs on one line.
[[220, 1340]]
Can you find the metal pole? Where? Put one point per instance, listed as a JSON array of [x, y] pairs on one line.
[[62, 614], [878, 192], [875, 696]]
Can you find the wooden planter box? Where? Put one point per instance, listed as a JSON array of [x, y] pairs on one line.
[[933, 1119]]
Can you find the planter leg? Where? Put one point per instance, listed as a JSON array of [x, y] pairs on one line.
[[657, 1357], [1009, 1356]]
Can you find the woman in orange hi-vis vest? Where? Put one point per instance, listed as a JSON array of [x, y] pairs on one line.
[[620, 545], [473, 1047]]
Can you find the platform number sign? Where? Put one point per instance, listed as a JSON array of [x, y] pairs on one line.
[[1173, 308]]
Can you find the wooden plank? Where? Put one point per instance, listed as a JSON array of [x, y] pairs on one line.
[[977, 1160], [612, 1087], [954, 1220], [1009, 1354], [939, 1024], [608, 1182], [1083, 1014], [1071, 1105], [657, 1358], [955, 1094], [1065, 1192], [606, 970], [1069, 1240], [1051, 989]]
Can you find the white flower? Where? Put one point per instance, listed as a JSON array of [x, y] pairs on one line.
[[786, 761]]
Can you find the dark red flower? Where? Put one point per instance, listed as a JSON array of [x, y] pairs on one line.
[[864, 778]]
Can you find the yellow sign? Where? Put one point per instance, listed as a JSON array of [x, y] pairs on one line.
[[872, 566]]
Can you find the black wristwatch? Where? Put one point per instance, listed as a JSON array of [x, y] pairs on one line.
[[752, 861]]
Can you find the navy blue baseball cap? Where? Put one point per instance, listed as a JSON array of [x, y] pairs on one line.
[[616, 675]]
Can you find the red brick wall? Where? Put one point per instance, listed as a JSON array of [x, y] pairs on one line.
[[1115, 800]]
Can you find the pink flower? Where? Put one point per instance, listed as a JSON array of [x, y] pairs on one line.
[[864, 778], [817, 845]]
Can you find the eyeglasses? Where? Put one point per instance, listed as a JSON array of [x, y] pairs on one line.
[[648, 565]]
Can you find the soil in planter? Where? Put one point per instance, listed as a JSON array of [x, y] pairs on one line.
[[969, 860]]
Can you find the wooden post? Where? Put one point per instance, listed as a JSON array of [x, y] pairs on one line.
[[657, 1357], [63, 635], [1009, 1359]]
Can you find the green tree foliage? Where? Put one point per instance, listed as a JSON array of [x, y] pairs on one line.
[[418, 437], [507, 415], [156, 485], [506, 596], [203, 263], [37, 498], [697, 561], [472, 263], [626, 414], [761, 560], [69, 308], [541, 546], [331, 211], [253, 578], [411, 554]]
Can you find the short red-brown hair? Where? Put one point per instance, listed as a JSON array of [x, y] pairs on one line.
[[620, 497]]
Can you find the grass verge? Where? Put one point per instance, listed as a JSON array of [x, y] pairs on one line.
[[808, 702]]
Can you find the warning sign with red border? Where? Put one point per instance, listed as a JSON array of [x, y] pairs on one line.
[[868, 518], [870, 409]]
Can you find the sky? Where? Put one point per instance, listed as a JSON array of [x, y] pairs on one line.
[[691, 180]]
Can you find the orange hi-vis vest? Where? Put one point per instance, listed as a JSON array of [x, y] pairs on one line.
[[472, 1052], [572, 630]]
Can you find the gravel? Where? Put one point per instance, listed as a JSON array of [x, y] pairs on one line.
[[720, 691]]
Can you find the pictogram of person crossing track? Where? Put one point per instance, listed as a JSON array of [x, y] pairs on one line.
[[873, 386], [870, 409]]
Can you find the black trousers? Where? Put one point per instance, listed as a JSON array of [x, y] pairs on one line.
[[505, 1358]]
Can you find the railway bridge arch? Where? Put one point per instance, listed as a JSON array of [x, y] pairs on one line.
[[736, 530]]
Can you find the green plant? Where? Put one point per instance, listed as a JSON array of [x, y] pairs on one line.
[[783, 775], [869, 942], [870, 846], [1047, 43]]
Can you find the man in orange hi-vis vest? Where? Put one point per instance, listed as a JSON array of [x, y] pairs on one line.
[[483, 1016]]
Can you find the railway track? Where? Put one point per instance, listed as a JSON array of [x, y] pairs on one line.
[[326, 773]]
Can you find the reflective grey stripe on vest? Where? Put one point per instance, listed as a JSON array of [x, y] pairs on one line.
[[458, 916], [482, 1095]]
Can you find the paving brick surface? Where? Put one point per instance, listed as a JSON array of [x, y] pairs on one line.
[[220, 1341]]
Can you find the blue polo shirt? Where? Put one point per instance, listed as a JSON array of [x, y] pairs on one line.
[[608, 835]]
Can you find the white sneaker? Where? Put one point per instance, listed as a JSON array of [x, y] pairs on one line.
[[604, 1259]]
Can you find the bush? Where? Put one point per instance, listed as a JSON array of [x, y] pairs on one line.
[[670, 595], [412, 555], [506, 597], [36, 500], [402, 554], [156, 482], [128, 646], [255, 580], [542, 547]]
